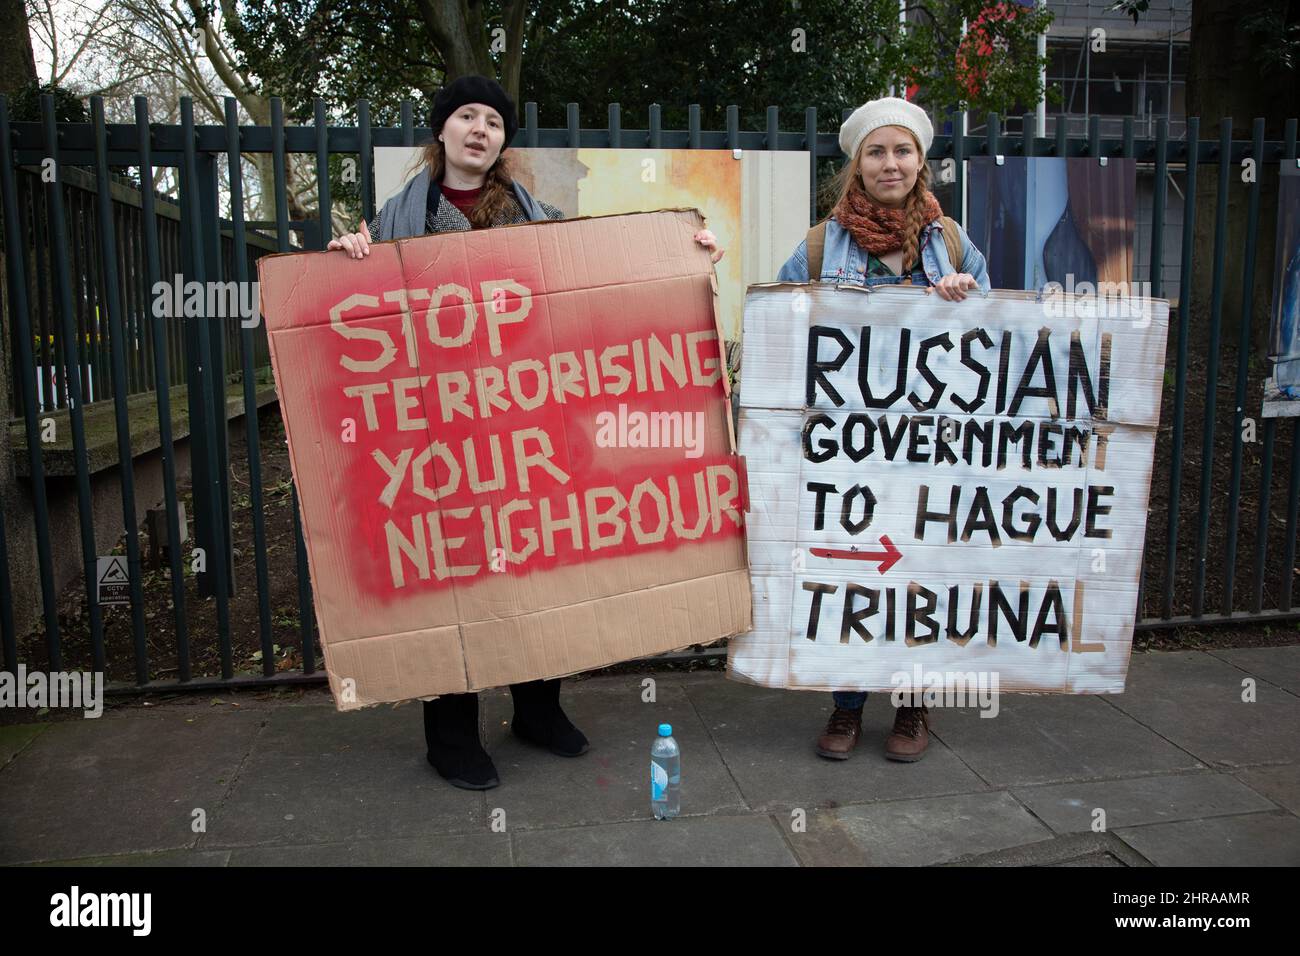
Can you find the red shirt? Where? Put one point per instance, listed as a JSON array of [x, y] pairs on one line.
[[462, 199]]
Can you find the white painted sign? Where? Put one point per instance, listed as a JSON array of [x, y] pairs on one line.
[[959, 486]]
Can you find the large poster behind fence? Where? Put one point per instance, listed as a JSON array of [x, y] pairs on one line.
[[953, 487], [1041, 219], [755, 201]]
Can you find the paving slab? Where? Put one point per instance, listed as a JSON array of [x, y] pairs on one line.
[[15, 737], [315, 775], [1255, 839], [766, 737], [1093, 859], [466, 849], [167, 858], [686, 841], [297, 783], [611, 782], [1049, 738], [101, 787], [916, 832], [1063, 849], [1277, 665], [1280, 784], [1194, 700], [1069, 808]]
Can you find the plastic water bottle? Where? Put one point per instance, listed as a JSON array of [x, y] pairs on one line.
[[665, 775]]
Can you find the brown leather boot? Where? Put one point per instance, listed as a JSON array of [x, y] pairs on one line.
[[910, 736], [841, 734]]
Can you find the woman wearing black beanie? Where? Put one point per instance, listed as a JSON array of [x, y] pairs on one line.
[[469, 186]]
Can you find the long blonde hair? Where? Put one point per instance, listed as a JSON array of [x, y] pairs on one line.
[[496, 197], [848, 180]]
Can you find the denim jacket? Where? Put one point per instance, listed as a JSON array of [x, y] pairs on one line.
[[843, 260]]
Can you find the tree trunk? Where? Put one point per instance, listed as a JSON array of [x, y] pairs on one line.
[[458, 30], [18, 66]]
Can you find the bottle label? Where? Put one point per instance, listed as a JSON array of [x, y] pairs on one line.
[[658, 781]]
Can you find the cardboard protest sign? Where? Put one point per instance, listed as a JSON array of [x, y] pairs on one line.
[[941, 487], [513, 452]]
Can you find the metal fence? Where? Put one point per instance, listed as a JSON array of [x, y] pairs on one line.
[[76, 304], [89, 288]]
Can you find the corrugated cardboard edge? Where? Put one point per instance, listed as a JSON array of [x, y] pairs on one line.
[[513, 225], [271, 340], [1007, 295], [745, 624], [742, 678], [742, 471]]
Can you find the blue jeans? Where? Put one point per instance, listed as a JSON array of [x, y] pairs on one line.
[[854, 699]]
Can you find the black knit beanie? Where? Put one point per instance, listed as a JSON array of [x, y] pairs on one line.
[[474, 89]]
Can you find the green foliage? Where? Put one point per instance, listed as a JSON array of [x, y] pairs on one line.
[[721, 52], [339, 50], [995, 67], [1278, 42], [751, 53], [715, 53], [25, 104]]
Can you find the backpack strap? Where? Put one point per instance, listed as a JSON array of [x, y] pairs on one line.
[[816, 243], [952, 239]]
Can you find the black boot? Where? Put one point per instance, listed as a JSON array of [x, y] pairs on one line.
[[540, 720], [451, 734]]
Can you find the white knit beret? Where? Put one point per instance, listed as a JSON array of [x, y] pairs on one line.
[[886, 111]]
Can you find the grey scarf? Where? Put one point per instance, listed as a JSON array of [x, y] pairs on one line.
[[403, 215]]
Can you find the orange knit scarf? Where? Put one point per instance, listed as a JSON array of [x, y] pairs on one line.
[[877, 228]]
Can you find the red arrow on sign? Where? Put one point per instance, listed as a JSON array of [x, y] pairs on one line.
[[887, 558]]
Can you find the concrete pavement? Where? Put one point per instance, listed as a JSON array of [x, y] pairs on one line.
[[1183, 770]]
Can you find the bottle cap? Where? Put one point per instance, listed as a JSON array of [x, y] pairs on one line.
[[665, 730]]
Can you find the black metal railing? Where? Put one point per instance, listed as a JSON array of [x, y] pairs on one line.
[[79, 301]]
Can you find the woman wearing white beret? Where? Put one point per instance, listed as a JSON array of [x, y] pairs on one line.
[[886, 227]]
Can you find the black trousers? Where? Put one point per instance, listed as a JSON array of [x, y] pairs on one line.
[[452, 720]]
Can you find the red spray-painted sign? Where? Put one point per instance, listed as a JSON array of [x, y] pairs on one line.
[[502, 402]]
